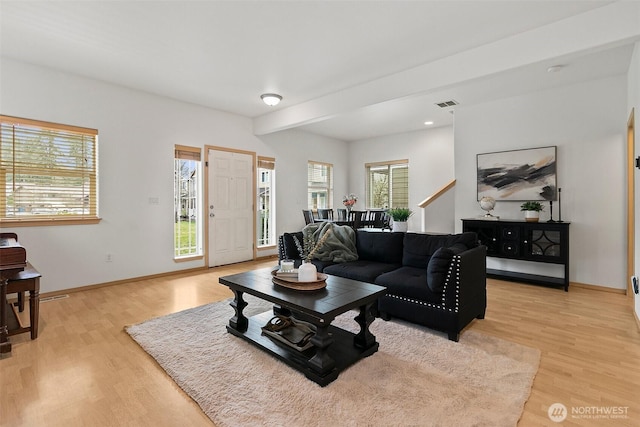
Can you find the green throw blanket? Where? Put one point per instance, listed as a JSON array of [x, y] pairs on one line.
[[340, 245]]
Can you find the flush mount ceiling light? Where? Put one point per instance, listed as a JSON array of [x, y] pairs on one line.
[[271, 99], [428, 123]]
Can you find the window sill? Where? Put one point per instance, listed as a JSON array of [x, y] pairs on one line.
[[31, 222], [262, 248], [188, 258]]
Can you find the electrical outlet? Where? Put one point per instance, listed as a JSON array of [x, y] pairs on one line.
[[108, 258]]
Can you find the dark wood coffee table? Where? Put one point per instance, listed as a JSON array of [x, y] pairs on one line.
[[334, 349]]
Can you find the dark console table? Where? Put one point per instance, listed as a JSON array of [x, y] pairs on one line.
[[545, 242]]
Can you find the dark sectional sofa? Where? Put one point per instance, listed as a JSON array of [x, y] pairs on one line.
[[434, 280]]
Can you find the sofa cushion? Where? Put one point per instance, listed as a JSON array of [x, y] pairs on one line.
[[320, 265], [364, 271], [290, 248], [379, 246], [410, 282], [438, 266], [418, 248]]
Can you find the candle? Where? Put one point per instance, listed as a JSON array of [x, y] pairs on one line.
[[286, 266]]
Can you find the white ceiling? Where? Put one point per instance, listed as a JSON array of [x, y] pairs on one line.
[[346, 69]]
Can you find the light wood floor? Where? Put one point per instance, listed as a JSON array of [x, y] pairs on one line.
[[84, 370]]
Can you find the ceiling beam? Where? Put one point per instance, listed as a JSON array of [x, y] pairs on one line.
[[605, 27]]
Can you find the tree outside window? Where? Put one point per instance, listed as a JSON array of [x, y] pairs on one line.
[[388, 184]]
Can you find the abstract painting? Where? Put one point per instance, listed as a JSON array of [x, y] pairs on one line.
[[518, 175]]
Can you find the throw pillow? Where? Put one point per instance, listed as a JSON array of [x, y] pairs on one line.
[[290, 248], [439, 266]]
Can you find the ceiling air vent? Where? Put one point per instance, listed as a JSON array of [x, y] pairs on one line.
[[447, 104]]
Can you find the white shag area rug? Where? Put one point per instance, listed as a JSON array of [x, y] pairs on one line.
[[417, 378]]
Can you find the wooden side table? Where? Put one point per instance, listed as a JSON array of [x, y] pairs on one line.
[[26, 280]]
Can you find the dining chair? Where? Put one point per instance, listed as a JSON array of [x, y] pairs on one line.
[[357, 218], [325, 214], [308, 216], [376, 219], [342, 214]]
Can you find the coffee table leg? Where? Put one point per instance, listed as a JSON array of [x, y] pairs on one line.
[[322, 363], [238, 322], [364, 338]]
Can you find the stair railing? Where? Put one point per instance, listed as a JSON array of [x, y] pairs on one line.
[[426, 202]]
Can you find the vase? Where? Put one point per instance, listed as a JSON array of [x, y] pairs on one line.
[[531, 216], [399, 226], [307, 272]]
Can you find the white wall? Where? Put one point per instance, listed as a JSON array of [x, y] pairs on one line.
[[633, 102], [431, 167], [137, 133], [293, 150], [587, 122]]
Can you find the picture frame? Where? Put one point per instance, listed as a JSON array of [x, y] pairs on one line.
[[518, 175]]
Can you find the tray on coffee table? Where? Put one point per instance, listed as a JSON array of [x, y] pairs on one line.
[[293, 283]]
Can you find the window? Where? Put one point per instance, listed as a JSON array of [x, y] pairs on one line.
[[266, 201], [388, 184], [187, 202], [320, 185], [48, 172]]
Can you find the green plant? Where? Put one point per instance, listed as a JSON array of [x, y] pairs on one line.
[[400, 214], [531, 206]]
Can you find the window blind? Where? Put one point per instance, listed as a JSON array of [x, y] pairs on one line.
[[266, 163], [47, 170], [319, 185], [187, 153], [388, 184]]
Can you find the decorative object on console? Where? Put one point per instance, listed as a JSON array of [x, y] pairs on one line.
[[559, 206], [518, 175], [531, 210], [551, 211], [487, 203]]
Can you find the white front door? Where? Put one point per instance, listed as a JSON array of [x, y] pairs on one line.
[[230, 207]]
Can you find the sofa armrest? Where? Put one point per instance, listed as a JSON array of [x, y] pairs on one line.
[[466, 284]]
